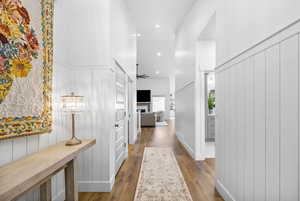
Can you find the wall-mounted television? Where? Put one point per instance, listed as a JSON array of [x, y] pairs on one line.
[[143, 96]]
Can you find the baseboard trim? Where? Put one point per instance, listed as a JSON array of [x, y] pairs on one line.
[[223, 191], [60, 196], [96, 186], [185, 145]]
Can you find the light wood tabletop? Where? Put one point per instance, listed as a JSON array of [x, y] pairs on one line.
[[20, 176]]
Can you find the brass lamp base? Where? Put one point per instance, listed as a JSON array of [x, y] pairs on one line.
[[73, 141]]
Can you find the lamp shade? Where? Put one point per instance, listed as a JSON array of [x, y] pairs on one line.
[[72, 103]]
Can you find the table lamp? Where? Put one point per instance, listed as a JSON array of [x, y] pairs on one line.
[[73, 104]]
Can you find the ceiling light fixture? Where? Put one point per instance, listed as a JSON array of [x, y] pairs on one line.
[[157, 26], [158, 54], [157, 72], [138, 35]]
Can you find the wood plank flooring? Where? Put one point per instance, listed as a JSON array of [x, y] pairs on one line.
[[199, 176]]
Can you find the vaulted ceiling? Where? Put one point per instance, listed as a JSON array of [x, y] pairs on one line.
[[156, 22]]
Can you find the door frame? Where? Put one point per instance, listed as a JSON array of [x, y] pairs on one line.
[[201, 113], [117, 65]]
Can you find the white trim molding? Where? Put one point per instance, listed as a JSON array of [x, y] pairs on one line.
[[185, 145], [223, 191], [60, 196], [96, 186]]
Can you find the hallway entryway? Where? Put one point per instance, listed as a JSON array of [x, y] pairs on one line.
[[199, 176]]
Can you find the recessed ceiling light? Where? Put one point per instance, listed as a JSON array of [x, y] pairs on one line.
[[138, 35], [157, 72], [158, 54], [157, 26]]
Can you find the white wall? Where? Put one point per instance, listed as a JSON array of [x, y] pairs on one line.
[[186, 38], [188, 73], [85, 32], [206, 55], [258, 103], [123, 39], [82, 64], [158, 86], [242, 24]]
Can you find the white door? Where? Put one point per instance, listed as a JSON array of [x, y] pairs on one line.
[[121, 119], [130, 113]]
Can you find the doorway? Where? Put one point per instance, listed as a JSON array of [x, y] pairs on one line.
[[210, 107], [210, 115]]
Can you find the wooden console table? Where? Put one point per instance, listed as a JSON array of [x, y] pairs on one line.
[[36, 170]]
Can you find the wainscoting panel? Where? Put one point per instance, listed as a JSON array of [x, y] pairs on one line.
[[272, 124], [248, 130], [185, 117], [258, 122], [259, 126]]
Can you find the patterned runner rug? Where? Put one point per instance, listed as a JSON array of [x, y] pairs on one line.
[[161, 178]]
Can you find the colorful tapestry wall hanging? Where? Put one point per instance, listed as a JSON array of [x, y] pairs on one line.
[[25, 67]]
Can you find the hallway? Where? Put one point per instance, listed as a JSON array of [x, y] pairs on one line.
[[199, 176]]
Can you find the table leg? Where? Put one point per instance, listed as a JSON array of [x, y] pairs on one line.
[[45, 191], [71, 182]]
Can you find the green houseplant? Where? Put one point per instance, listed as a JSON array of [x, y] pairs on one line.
[[211, 102]]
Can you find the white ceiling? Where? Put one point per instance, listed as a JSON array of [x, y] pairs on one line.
[[168, 14]]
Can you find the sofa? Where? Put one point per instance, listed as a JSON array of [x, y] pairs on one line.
[[148, 119], [160, 116]]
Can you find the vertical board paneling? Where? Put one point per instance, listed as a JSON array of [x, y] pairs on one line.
[[272, 124], [223, 161], [259, 127], [239, 131], [32, 146], [6, 151], [244, 76], [221, 136], [232, 158], [219, 117], [298, 117], [249, 131], [19, 151], [226, 129], [289, 153], [235, 113], [19, 148]]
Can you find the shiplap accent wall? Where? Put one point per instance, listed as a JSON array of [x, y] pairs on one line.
[[97, 85], [258, 121]]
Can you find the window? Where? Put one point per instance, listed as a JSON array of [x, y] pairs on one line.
[[159, 103]]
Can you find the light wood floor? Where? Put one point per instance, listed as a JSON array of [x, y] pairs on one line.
[[199, 176]]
